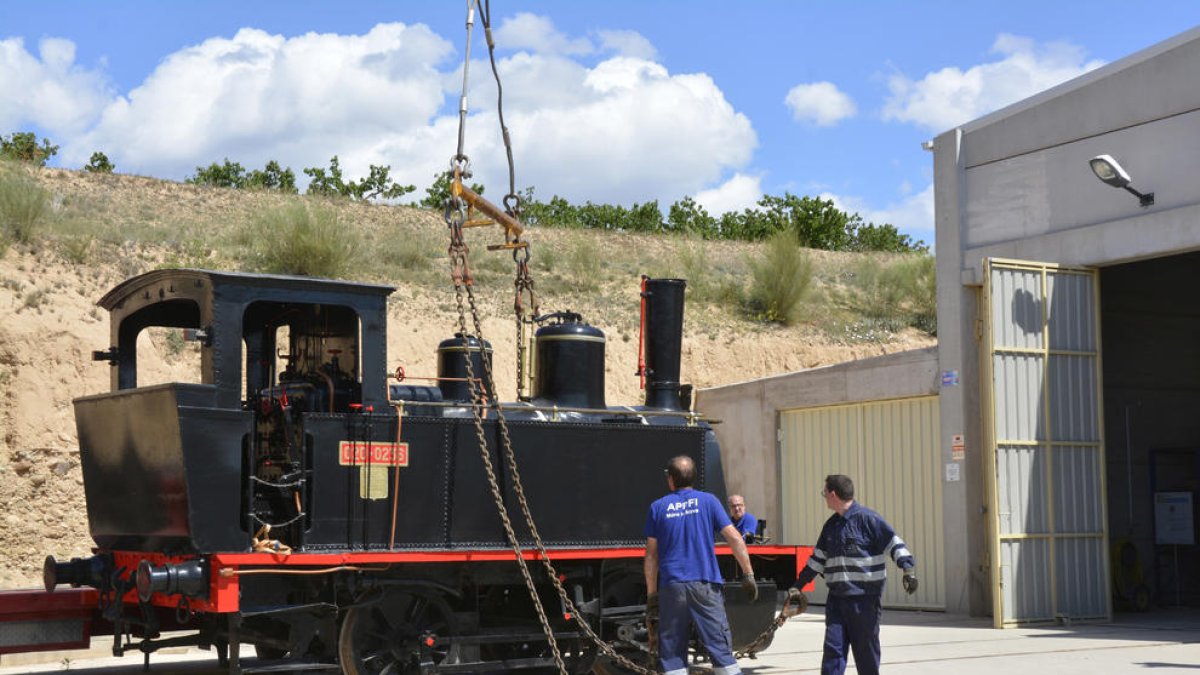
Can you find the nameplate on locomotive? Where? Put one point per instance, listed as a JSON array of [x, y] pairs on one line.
[[358, 453]]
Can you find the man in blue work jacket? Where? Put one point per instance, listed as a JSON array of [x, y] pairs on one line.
[[684, 586], [851, 554]]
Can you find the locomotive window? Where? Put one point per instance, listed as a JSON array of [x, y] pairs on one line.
[[310, 351], [155, 345], [168, 355]]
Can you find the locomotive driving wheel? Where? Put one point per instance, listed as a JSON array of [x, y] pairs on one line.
[[392, 636]]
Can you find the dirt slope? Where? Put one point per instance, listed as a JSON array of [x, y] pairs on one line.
[[49, 326]]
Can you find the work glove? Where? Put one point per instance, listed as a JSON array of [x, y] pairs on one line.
[[652, 607], [910, 580], [750, 586], [796, 603]]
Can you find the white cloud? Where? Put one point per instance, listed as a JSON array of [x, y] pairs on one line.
[[632, 131], [912, 215], [257, 96], [949, 97], [49, 89], [820, 103], [538, 34], [627, 43], [622, 130], [736, 194]]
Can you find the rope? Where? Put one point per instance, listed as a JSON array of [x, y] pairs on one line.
[[261, 544]]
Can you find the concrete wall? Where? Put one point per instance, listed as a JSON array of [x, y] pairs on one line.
[[1016, 184], [749, 414]]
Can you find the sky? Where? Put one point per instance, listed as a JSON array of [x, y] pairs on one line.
[[620, 102]]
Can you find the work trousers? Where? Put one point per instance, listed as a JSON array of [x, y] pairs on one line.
[[699, 603], [851, 624]]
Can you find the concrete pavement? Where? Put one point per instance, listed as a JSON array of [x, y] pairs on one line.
[[1164, 641], [1159, 642]]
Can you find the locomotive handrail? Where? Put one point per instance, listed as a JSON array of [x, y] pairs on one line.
[[691, 416]]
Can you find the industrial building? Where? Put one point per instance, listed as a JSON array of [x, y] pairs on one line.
[[1062, 482]]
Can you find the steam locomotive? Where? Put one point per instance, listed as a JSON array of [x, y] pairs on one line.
[[294, 499]]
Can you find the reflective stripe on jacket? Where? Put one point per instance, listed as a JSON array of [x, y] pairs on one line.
[[852, 553]]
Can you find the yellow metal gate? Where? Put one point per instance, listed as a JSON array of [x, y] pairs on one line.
[[890, 450], [1045, 453]]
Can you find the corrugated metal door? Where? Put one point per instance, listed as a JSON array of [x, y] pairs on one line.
[[890, 450], [1048, 530]]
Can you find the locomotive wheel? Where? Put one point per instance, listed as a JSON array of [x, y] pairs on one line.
[[384, 637]]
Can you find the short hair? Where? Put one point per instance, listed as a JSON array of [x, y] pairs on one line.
[[682, 471], [840, 485], [730, 498]]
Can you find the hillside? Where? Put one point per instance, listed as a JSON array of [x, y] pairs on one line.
[[104, 228]]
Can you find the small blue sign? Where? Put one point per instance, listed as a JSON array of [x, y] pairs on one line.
[[950, 378]]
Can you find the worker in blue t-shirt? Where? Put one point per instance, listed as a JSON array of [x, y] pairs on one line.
[[851, 553], [743, 520], [684, 587]]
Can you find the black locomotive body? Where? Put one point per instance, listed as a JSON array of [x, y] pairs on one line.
[[292, 498]]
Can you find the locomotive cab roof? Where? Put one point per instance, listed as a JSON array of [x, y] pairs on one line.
[[234, 317]]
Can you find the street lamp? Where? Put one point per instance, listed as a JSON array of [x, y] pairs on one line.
[[1108, 170]]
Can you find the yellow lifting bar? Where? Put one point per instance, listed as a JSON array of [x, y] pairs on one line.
[[512, 227]]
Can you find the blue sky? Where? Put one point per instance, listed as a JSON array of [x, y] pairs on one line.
[[620, 101]]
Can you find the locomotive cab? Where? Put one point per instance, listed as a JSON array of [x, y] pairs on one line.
[[191, 466]]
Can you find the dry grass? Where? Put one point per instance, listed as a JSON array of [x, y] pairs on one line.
[[141, 223]]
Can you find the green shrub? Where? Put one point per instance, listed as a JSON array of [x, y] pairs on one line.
[[303, 239], [24, 205], [407, 252], [76, 249], [895, 293], [780, 281], [688, 216], [227, 175], [886, 238], [377, 185], [582, 270], [705, 282], [272, 177], [919, 276], [99, 164], [874, 292]]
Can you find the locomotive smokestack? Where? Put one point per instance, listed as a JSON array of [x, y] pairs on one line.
[[664, 340]]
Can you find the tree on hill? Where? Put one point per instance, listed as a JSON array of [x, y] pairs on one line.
[[99, 163], [22, 146]]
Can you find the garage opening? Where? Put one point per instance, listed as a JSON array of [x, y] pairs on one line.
[[1150, 329]]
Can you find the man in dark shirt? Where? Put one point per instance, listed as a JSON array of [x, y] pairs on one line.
[[683, 583], [851, 553], [743, 520]]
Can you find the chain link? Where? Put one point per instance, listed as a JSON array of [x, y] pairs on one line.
[[525, 308], [764, 638]]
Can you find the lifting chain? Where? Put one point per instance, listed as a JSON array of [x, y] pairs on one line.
[[484, 396], [479, 395], [525, 308], [764, 638]]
